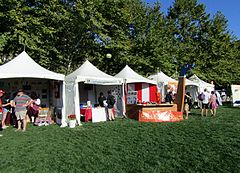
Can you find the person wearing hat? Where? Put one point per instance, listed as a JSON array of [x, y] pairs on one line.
[[20, 102]]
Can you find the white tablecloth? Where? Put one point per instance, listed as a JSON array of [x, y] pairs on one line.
[[98, 115]]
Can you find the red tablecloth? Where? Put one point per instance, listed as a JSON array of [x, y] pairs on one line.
[[87, 112]]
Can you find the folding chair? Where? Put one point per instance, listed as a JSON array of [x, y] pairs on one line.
[[42, 117]]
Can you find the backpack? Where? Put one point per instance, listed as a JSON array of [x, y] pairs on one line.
[[201, 97]]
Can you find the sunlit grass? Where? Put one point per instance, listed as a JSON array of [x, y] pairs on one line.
[[199, 144]]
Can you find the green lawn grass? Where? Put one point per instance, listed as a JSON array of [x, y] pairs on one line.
[[199, 144]]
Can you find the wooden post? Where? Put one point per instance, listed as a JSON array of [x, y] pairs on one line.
[[180, 93]]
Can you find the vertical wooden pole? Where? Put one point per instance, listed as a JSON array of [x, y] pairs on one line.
[[180, 93]]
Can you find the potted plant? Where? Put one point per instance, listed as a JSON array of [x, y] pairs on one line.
[[72, 120]]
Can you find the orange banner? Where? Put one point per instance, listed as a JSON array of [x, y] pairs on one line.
[[160, 116]]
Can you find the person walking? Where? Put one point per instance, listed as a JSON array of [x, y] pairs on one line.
[[21, 102], [213, 103], [110, 105], [205, 102]]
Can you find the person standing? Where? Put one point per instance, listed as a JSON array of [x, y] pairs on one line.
[[21, 102], [187, 103], [34, 107], [213, 103], [6, 106], [169, 98], [205, 102], [101, 98], [1, 109], [110, 105]]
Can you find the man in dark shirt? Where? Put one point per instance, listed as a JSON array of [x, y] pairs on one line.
[[169, 98], [110, 105], [101, 98]]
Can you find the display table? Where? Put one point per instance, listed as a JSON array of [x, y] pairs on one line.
[[154, 112], [98, 115], [87, 112], [94, 114]]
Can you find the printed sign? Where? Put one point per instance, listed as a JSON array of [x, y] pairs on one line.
[[132, 97]]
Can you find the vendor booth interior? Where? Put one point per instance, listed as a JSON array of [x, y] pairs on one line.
[[83, 87], [23, 72], [142, 99], [164, 84], [202, 84]]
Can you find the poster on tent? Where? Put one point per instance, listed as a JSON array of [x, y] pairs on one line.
[[132, 97], [172, 86]]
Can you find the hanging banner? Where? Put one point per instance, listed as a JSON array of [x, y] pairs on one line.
[[160, 116]]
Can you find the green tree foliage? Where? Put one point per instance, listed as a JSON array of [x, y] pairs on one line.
[[64, 33], [203, 40]]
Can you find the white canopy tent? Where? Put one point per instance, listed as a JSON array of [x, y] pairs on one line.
[[23, 66], [136, 82], [87, 73], [193, 88], [132, 77], [202, 84], [162, 78], [162, 81]]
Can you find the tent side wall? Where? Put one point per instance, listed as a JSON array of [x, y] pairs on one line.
[[146, 92], [71, 96], [117, 92]]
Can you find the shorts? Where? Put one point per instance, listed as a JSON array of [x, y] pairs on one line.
[[21, 115], [1, 115], [204, 105], [186, 107], [5, 110]]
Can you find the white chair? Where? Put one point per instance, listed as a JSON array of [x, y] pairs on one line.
[[42, 117]]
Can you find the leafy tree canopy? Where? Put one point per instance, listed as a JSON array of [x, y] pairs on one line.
[[64, 33]]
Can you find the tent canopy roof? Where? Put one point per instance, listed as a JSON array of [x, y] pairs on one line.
[[161, 77], [23, 66], [189, 82], [132, 77], [201, 83], [88, 73], [196, 79]]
